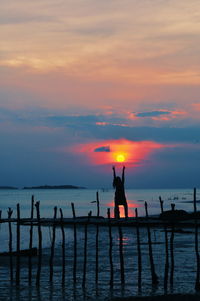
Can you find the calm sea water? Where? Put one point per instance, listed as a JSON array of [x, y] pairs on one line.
[[185, 266], [82, 199]]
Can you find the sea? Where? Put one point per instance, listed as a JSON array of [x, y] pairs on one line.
[[85, 201]]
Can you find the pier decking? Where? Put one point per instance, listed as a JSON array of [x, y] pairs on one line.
[[153, 221]]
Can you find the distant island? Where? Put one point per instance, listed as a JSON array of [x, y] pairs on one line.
[[8, 187], [55, 187]]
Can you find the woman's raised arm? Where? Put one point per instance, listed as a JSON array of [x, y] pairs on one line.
[[123, 174], [114, 173]]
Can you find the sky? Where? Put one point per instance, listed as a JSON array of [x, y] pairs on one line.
[[85, 81]]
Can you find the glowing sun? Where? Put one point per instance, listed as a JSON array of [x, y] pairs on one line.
[[120, 158]]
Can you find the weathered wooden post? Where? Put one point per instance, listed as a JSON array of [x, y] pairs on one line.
[[98, 207], [37, 205], [153, 273], [166, 249], [18, 247], [166, 260], [63, 247], [85, 250], [31, 242], [10, 212], [110, 248], [52, 246], [121, 255], [161, 204], [139, 252], [197, 284], [97, 243], [75, 243], [172, 249]]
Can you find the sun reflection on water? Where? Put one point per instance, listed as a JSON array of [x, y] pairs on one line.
[[132, 204]]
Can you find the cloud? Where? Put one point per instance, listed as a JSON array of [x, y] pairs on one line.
[[135, 153], [168, 134], [152, 113], [102, 149], [110, 123], [67, 120], [69, 142], [95, 120], [107, 126], [196, 106], [23, 19], [159, 115], [90, 40]]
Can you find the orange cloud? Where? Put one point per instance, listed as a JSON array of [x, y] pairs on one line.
[[107, 152], [196, 106]]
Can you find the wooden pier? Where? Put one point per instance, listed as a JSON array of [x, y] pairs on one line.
[[153, 221], [171, 222]]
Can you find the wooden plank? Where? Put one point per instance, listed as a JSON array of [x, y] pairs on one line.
[[31, 242], [197, 283], [37, 205], [10, 212], [85, 251], [154, 276], [139, 253], [63, 247], [52, 247], [75, 244], [18, 247], [110, 249]]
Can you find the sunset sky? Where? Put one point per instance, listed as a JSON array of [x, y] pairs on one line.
[[83, 81]]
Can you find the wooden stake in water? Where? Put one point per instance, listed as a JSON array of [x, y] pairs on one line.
[[53, 245], [75, 243], [31, 242], [85, 250], [197, 284], [153, 273], [63, 247], [110, 249], [121, 255], [10, 212], [166, 250], [139, 252], [37, 205], [18, 247], [98, 207], [97, 243], [172, 249], [161, 204]]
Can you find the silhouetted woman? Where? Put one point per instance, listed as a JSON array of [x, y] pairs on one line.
[[120, 198]]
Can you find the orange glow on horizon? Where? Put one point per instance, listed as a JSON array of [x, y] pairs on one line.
[[111, 152]]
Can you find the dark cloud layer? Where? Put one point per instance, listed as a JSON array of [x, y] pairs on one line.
[[164, 134], [152, 113], [100, 126], [102, 149], [32, 143]]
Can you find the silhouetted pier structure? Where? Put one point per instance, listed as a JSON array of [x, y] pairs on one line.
[[153, 221], [170, 221]]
